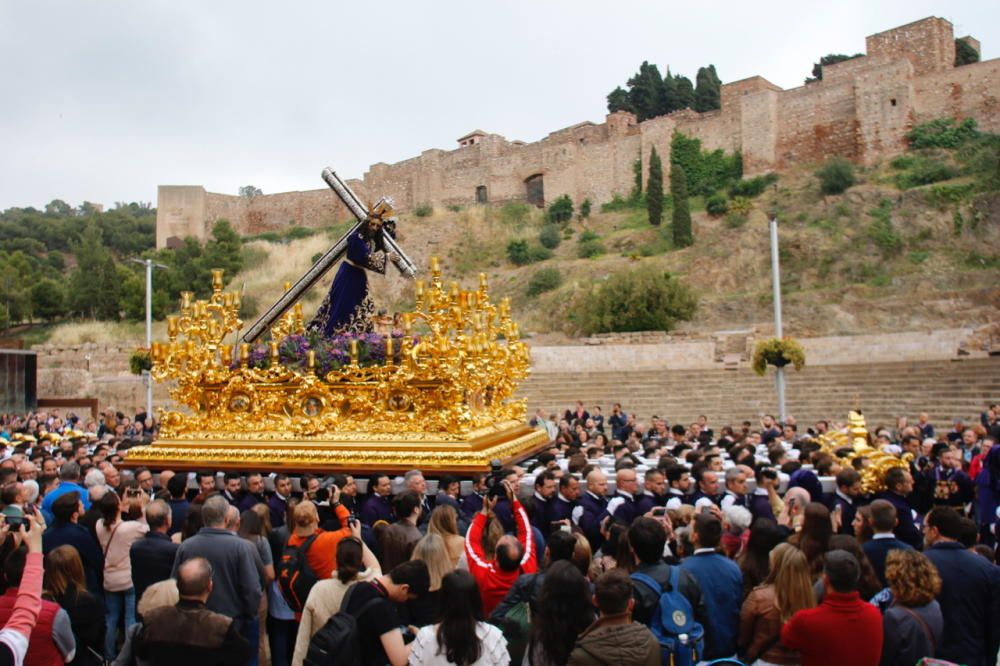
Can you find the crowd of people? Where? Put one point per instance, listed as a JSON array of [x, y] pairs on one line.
[[626, 541]]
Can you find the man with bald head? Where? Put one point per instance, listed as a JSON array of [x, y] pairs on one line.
[[189, 632], [621, 506], [592, 504], [153, 555]]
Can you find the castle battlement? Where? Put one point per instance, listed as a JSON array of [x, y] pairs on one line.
[[860, 110]]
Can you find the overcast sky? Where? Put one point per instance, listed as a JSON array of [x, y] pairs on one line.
[[106, 99]]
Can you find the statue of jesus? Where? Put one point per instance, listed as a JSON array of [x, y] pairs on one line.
[[347, 308]]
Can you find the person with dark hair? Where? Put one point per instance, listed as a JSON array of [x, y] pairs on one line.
[[116, 536], [539, 505], [814, 537], [179, 505], [988, 496], [841, 630], [765, 496], [35, 632], [566, 501], [899, 484], [721, 585], [379, 634], [706, 484], [355, 562], [654, 492], [395, 542], [232, 487], [277, 503], [646, 540], [153, 556], [845, 498], [564, 612], [65, 530], [461, 638], [496, 572], [913, 625], [377, 508], [473, 502], [614, 638], [65, 585], [449, 491], [678, 485], [255, 492], [970, 592], [190, 633], [69, 481], [754, 562], [884, 521]]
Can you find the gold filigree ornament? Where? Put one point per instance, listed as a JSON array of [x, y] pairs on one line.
[[442, 400], [875, 462]]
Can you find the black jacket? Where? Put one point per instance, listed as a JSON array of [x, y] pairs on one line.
[[970, 603], [152, 560], [86, 617]]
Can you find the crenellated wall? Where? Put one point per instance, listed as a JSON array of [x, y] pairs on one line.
[[861, 110]]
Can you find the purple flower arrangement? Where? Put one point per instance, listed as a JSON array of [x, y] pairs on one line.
[[331, 353]]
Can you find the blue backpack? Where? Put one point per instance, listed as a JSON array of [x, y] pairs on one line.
[[672, 618]]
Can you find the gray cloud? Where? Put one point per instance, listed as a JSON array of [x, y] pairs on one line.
[[104, 100]]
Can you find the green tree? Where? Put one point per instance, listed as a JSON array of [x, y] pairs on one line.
[[636, 195], [550, 236], [84, 282], [835, 176], [707, 92], [829, 59], [561, 210], [223, 250], [654, 189], [646, 92], [681, 220], [108, 303], [585, 209], [642, 299], [48, 299], [248, 192], [965, 54], [618, 100]]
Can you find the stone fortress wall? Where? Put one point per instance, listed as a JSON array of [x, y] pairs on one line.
[[861, 110]]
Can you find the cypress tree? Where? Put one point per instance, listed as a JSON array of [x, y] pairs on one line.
[[654, 190], [707, 90], [681, 221]]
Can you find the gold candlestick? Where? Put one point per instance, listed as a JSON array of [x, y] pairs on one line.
[[388, 350], [244, 353], [354, 352], [217, 279], [311, 359]]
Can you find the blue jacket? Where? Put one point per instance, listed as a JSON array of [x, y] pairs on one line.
[[970, 603], [374, 509], [78, 536], [152, 559], [57, 492], [562, 508], [721, 585], [540, 511], [646, 500], [876, 550], [623, 511], [760, 506], [472, 504], [178, 514], [590, 518], [906, 530]]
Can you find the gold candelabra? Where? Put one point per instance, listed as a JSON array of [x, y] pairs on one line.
[[875, 462]]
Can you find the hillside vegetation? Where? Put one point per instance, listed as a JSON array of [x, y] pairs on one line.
[[903, 245]]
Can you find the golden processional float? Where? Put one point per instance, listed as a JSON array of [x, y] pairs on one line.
[[435, 395], [852, 443]]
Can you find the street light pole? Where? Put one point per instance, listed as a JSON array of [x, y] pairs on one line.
[[779, 378], [147, 380]]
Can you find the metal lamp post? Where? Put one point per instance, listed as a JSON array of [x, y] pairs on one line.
[[147, 380], [779, 377]]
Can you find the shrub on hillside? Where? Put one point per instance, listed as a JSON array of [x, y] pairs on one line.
[[835, 176], [618, 203], [585, 209], [942, 133], [545, 279], [550, 236], [590, 248], [643, 299], [924, 171], [423, 210], [561, 210], [716, 205], [981, 160], [522, 253], [752, 187], [881, 230], [296, 233]]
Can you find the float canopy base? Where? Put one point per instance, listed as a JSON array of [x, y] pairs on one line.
[[354, 453]]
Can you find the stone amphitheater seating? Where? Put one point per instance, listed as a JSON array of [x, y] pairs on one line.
[[945, 389]]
